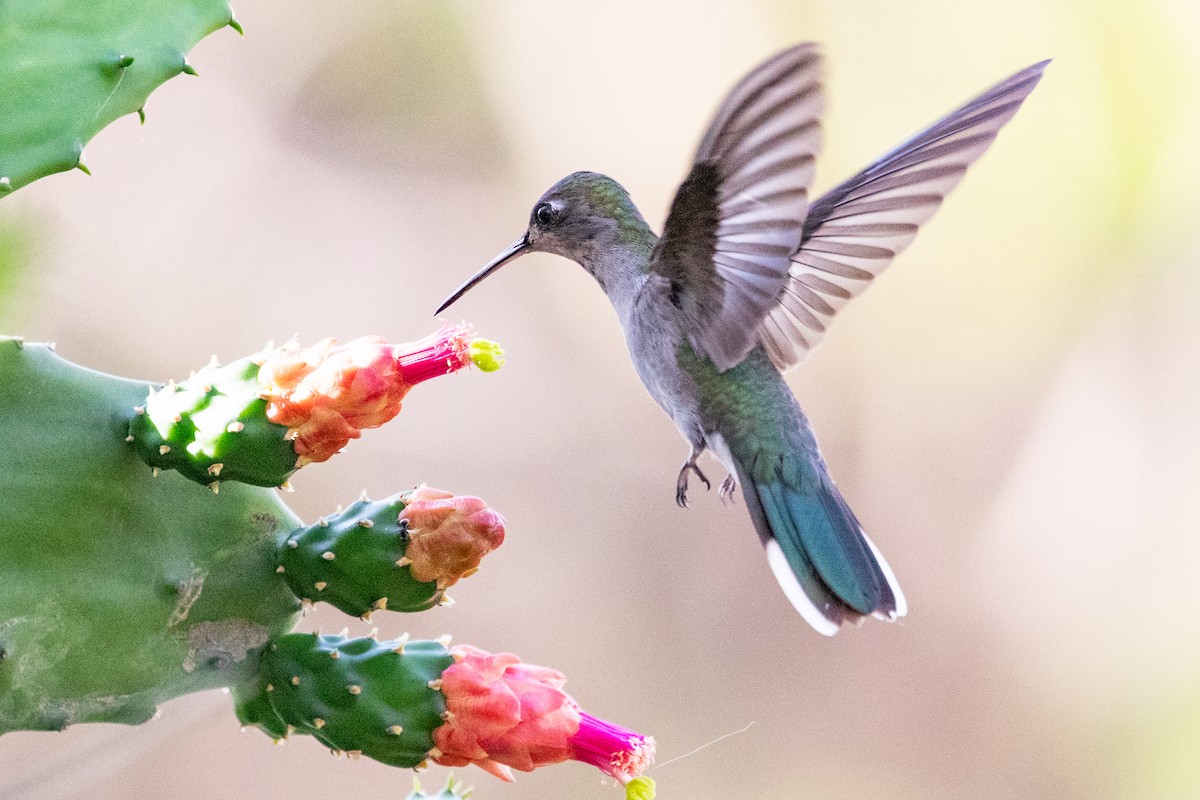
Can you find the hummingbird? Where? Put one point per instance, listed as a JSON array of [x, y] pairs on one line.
[[744, 281]]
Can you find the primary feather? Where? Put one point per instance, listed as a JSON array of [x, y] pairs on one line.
[[853, 232]]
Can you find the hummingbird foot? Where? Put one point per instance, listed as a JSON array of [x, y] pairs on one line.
[[681, 485], [727, 487]]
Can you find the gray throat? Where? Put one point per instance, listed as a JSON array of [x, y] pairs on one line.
[[622, 273]]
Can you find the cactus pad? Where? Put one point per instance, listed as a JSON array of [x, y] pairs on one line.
[[70, 67], [117, 590], [213, 428], [358, 696], [350, 560]]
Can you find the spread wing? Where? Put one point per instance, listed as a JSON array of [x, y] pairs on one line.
[[739, 216], [853, 232]]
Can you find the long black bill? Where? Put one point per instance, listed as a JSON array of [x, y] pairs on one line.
[[517, 248]]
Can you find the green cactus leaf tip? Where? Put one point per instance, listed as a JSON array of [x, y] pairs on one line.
[[74, 66]]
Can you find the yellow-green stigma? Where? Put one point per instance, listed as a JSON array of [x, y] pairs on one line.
[[486, 354], [641, 788]]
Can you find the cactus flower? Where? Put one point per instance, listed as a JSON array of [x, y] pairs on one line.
[[328, 393], [406, 702], [448, 535], [259, 419], [503, 715]]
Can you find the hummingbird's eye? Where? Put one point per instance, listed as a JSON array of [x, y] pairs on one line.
[[545, 214]]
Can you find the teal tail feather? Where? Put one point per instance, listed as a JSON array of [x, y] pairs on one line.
[[827, 566]]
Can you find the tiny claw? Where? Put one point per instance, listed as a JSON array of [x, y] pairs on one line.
[[681, 485], [727, 488], [681, 496]]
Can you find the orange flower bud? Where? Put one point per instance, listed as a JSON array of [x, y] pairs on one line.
[[449, 535], [328, 393]]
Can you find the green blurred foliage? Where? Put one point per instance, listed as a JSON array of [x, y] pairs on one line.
[[1138, 116], [16, 254]]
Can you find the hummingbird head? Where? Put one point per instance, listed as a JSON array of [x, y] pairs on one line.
[[583, 217]]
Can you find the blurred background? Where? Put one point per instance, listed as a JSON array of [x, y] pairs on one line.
[[1011, 410]]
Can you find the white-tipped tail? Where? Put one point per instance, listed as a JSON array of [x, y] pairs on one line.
[[897, 592], [795, 594]]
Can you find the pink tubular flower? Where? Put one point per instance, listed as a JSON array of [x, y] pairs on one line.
[[503, 714], [449, 535], [328, 393]]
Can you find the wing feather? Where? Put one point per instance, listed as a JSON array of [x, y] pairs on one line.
[[738, 218], [853, 232]]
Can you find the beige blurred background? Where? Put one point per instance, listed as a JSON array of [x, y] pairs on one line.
[[1011, 411]]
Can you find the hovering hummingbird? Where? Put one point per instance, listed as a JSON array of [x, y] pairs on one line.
[[743, 283]]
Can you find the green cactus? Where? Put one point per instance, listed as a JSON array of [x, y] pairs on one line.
[[453, 790], [70, 67], [213, 427], [122, 587], [358, 696], [118, 590], [353, 560], [252, 707]]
